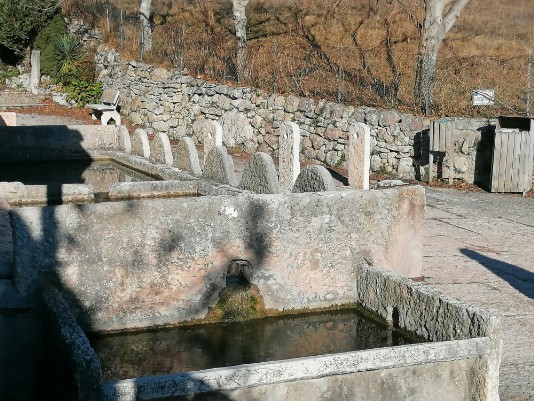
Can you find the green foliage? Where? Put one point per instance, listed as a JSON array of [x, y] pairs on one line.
[[66, 55], [83, 92], [45, 39], [20, 20], [7, 73]]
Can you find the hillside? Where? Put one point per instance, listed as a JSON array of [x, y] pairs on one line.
[[361, 52]]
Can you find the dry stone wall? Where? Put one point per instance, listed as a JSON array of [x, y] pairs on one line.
[[171, 102]]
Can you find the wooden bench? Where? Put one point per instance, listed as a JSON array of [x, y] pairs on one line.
[[107, 108]]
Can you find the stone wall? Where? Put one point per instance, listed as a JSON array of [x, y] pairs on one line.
[[170, 102]]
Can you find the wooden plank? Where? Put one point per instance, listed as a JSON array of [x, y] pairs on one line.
[[529, 160], [450, 150], [431, 137], [508, 166], [515, 183], [523, 155], [495, 163], [442, 133], [430, 167]]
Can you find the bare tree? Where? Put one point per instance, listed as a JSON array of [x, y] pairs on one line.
[[240, 23], [146, 28], [440, 16]]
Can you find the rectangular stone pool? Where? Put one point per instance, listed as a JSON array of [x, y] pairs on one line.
[[99, 174], [206, 346]]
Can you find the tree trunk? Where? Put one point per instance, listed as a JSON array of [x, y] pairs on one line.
[[435, 27], [146, 29], [240, 23]]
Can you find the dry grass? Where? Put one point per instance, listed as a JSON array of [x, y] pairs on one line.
[[361, 52]]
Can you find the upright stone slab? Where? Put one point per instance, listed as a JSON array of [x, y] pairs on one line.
[[140, 145], [260, 175], [219, 167], [125, 142], [288, 155], [35, 76], [186, 157], [314, 178], [161, 152], [211, 134], [359, 157]]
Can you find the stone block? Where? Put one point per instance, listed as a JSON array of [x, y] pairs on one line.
[[186, 157], [125, 142], [210, 133], [288, 155], [260, 175], [160, 152], [140, 145], [219, 167], [359, 155], [236, 129], [8, 118], [314, 178]]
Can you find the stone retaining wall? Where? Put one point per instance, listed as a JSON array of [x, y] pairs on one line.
[[171, 102]]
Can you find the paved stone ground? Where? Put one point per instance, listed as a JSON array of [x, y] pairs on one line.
[[478, 247]]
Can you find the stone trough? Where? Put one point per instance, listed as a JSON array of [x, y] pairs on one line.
[[141, 263]]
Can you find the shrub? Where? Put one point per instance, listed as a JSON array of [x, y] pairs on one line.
[[45, 39], [83, 92]]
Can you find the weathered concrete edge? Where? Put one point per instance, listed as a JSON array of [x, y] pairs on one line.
[[144, 189], [438, 316], [85, 364], [252, 375]]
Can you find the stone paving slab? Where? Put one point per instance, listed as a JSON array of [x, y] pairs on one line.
[[478, 247]]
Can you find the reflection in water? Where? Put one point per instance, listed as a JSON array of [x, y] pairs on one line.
[[206, 346], [100, 175]]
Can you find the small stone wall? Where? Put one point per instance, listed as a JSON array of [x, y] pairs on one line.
[[53, 142], [174, 103]]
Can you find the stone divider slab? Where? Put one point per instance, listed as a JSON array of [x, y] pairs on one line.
[[140, 144], [359, 155], [211, 133], [260, 175], [288, 155], [219, 167], [160, 151], [186, 156], [314, 178]]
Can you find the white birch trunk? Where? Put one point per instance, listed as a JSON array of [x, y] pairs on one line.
[[440, 16], [146, 29]]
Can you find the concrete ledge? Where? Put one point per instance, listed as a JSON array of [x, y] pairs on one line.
[[16, 193], [153, 189], [51, 142], [300, 369]]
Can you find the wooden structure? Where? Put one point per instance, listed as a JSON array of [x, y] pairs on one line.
[[442, 138], [513, 155], [107, 108]]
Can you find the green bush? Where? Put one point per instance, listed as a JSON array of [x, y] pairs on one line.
[[44, 42], [83, 92]]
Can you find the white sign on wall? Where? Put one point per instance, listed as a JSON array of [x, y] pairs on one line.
[[483, 97]]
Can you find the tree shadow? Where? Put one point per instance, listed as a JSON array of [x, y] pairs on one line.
[[421, 144], [520, 279]]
